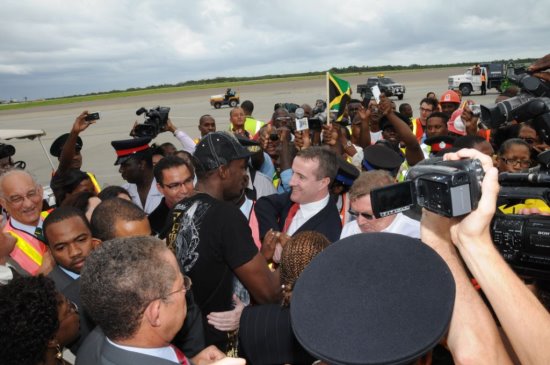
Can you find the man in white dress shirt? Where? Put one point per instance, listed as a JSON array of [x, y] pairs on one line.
[[361, 208]]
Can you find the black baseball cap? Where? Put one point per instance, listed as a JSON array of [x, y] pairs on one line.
[[373, 298], [217, 149], [380, 157], [59, 142]]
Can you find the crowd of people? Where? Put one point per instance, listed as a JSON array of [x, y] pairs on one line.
[[260, 244]]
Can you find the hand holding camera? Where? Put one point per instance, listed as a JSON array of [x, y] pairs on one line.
[[476, 225], [84, 120]]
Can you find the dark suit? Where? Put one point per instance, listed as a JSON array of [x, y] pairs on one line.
[[190, 337], [60, 278], [96, 350], [272, 211]]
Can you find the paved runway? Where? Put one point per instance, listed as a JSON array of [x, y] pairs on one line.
[[118, 115]]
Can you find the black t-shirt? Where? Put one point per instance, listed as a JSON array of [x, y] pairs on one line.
[[158, 219], [211, 238]]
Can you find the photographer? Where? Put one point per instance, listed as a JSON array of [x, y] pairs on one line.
[[522, 317]]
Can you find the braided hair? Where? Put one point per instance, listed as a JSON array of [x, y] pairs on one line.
[[297, 254]]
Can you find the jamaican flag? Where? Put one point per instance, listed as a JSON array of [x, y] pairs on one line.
[[339, 94]]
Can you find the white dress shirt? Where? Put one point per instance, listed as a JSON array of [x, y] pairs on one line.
[[305, 212]]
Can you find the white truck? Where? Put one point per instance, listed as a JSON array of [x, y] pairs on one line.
[[470, 81]]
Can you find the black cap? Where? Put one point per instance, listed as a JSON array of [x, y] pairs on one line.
[[59, 142], [127, 148], [438, 143], [251, 145], [347, 172], [380, 157], [217, 149], [373, 298], [6, 150]]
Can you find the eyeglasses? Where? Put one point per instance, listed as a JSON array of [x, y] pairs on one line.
[[522, 163], [425, 110], [185, 287], [18, 199], [529, 140], [367, 216], [178, 184]]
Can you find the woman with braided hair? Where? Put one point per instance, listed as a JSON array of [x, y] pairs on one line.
[[37, 322], [265, 333]]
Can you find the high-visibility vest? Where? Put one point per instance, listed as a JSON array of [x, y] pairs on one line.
[[418, 130], [28, 250], [97, 188], [252, 125]]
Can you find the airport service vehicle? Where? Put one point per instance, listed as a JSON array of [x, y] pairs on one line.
[[386, 85]]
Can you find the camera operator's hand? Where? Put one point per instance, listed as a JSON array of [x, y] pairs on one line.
[[169, 127], [476, 224], [80, 123], [523, 318], [539, 66]]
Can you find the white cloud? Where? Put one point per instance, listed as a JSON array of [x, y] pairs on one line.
[[64, 47]]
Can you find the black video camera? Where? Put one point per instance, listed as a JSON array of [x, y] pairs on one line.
[[448, 188], [154, 123], [523, 240], [533, 103]]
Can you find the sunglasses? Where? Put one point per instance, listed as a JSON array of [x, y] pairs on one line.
[[355, 214]]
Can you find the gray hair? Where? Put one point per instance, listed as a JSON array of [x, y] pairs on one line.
[[12, 171], [121, 277], [369, 180]]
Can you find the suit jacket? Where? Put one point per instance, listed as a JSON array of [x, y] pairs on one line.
[[96, 350], [272, 211], [60, 278]]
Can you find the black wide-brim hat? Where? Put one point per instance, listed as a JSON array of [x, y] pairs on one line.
[[59, 142], [373, 298]]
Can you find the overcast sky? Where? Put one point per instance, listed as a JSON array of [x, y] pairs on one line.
[[61, 47]]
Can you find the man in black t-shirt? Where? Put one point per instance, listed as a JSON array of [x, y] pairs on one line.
[[211, 237]]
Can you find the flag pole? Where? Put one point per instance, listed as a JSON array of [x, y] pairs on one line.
[[328, 100]]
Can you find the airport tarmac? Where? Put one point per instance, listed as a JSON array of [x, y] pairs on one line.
[[118, 115]]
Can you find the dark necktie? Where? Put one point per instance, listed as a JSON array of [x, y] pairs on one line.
[[38, 233]]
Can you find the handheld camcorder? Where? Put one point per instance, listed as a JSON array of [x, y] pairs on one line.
[[533, 103], [448, 188], [154, 123], [523, 240]]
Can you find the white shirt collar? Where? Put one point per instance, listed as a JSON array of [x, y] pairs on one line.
[[308, 210], [166, 353], [24, 227], [73, 275]]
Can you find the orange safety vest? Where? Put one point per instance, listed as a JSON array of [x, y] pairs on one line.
[[418, 130], [28, 250]]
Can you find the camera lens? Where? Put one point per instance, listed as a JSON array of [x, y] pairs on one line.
[[274, 136]]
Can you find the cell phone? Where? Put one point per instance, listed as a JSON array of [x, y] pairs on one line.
[[476, 109], [91, 116], [376, 93], [302, 124]]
